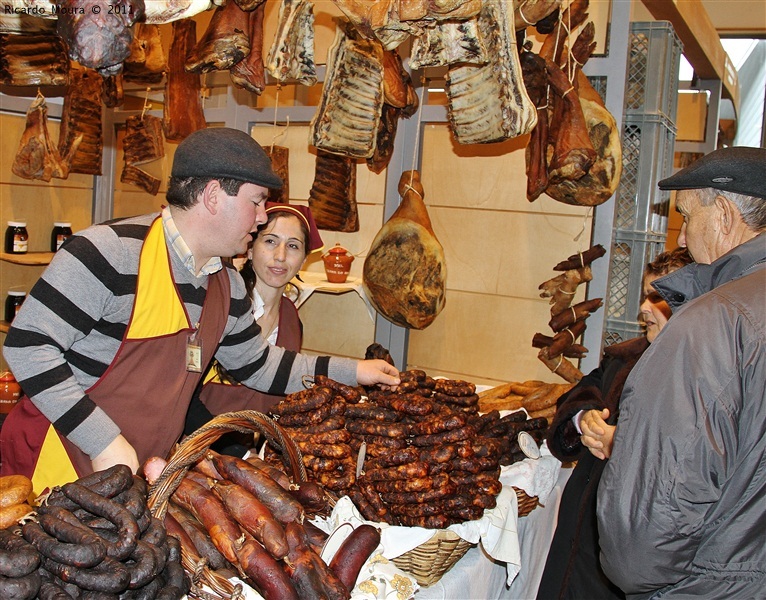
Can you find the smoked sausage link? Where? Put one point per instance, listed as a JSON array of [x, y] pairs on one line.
[[353, 553], [17, 556], [267, 574]]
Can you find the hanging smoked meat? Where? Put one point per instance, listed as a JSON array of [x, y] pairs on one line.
[[225, 42], [279, 156], [146, 63], [291, 57], [142, 144], [112, 92], [99, 39], [37, 156], [33, 59], [332, 197], [81, 116], [249, 72], [182, 111], [405, 274]]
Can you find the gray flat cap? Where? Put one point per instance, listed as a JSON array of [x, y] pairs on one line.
[[224, 152], [738, 169]]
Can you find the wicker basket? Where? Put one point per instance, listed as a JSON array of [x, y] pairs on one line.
[[429, 561], [187, 453]]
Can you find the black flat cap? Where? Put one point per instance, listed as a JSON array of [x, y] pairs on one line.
[[738, 169], [224, 152]]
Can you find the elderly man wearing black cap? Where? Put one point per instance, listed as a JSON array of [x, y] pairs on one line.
[[682, 501], [115, 335]]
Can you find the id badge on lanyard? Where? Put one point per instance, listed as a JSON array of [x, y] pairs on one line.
[[194, 351]]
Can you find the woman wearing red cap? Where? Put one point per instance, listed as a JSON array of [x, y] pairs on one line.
[[279, 249]]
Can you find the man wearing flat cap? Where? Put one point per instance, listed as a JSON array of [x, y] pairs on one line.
[[114, 337], [682, 501]]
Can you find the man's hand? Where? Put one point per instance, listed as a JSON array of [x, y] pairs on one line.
[[370, 372], [119, 452], [597, 435]]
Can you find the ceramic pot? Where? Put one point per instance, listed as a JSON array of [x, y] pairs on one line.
[[337, 264]]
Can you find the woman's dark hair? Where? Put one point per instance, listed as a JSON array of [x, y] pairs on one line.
[[668, 261], [184, 191]]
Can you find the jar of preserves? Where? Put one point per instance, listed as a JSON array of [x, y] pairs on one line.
[[13, 303], [10, 392], [60, 232], [16, 237]]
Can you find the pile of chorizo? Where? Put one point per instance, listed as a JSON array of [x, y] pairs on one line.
[[422, 455]]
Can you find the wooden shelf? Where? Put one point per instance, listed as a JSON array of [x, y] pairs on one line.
[[4, 325], [29, 258]]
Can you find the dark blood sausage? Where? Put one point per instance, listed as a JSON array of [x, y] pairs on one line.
[[155, 534], [198, 535], [210, 511], [50, 590], [354, 552], [177, 582], [64, 542], [134, 499], [253, 516], [17, 556], [282, 505], [20, 588], [265, 572], [379, 428], [350, 394], [109, 576], [108, 483], [146, 565], [109, 509]]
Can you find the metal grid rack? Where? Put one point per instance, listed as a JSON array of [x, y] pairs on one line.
[[648, 140]]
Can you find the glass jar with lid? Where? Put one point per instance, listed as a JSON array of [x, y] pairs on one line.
[[13, 303], [60, 232], [16, 237]]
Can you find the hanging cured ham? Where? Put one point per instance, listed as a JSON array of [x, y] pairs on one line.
[[37, 156], [142, 144], [182, 110], [405, 273]]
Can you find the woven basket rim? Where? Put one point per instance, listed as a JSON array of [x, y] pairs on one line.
[[192, 448]]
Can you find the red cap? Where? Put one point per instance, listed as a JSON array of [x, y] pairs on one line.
[[304, 214]]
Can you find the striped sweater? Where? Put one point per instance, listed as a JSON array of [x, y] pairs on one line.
[[72, 324]]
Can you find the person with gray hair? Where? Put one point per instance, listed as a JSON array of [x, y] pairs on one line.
[[682, 501]]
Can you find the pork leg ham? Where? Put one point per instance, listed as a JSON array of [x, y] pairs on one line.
[[182, 109], [405, 274]]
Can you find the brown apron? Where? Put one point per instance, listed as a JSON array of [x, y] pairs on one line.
[[145, 390], [219, 398]]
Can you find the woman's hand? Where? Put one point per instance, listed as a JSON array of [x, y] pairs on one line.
[[377, 371], [597, 435], [119, 452]]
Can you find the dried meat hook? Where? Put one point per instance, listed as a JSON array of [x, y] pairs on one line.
[[278, 134], [424, 84]]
